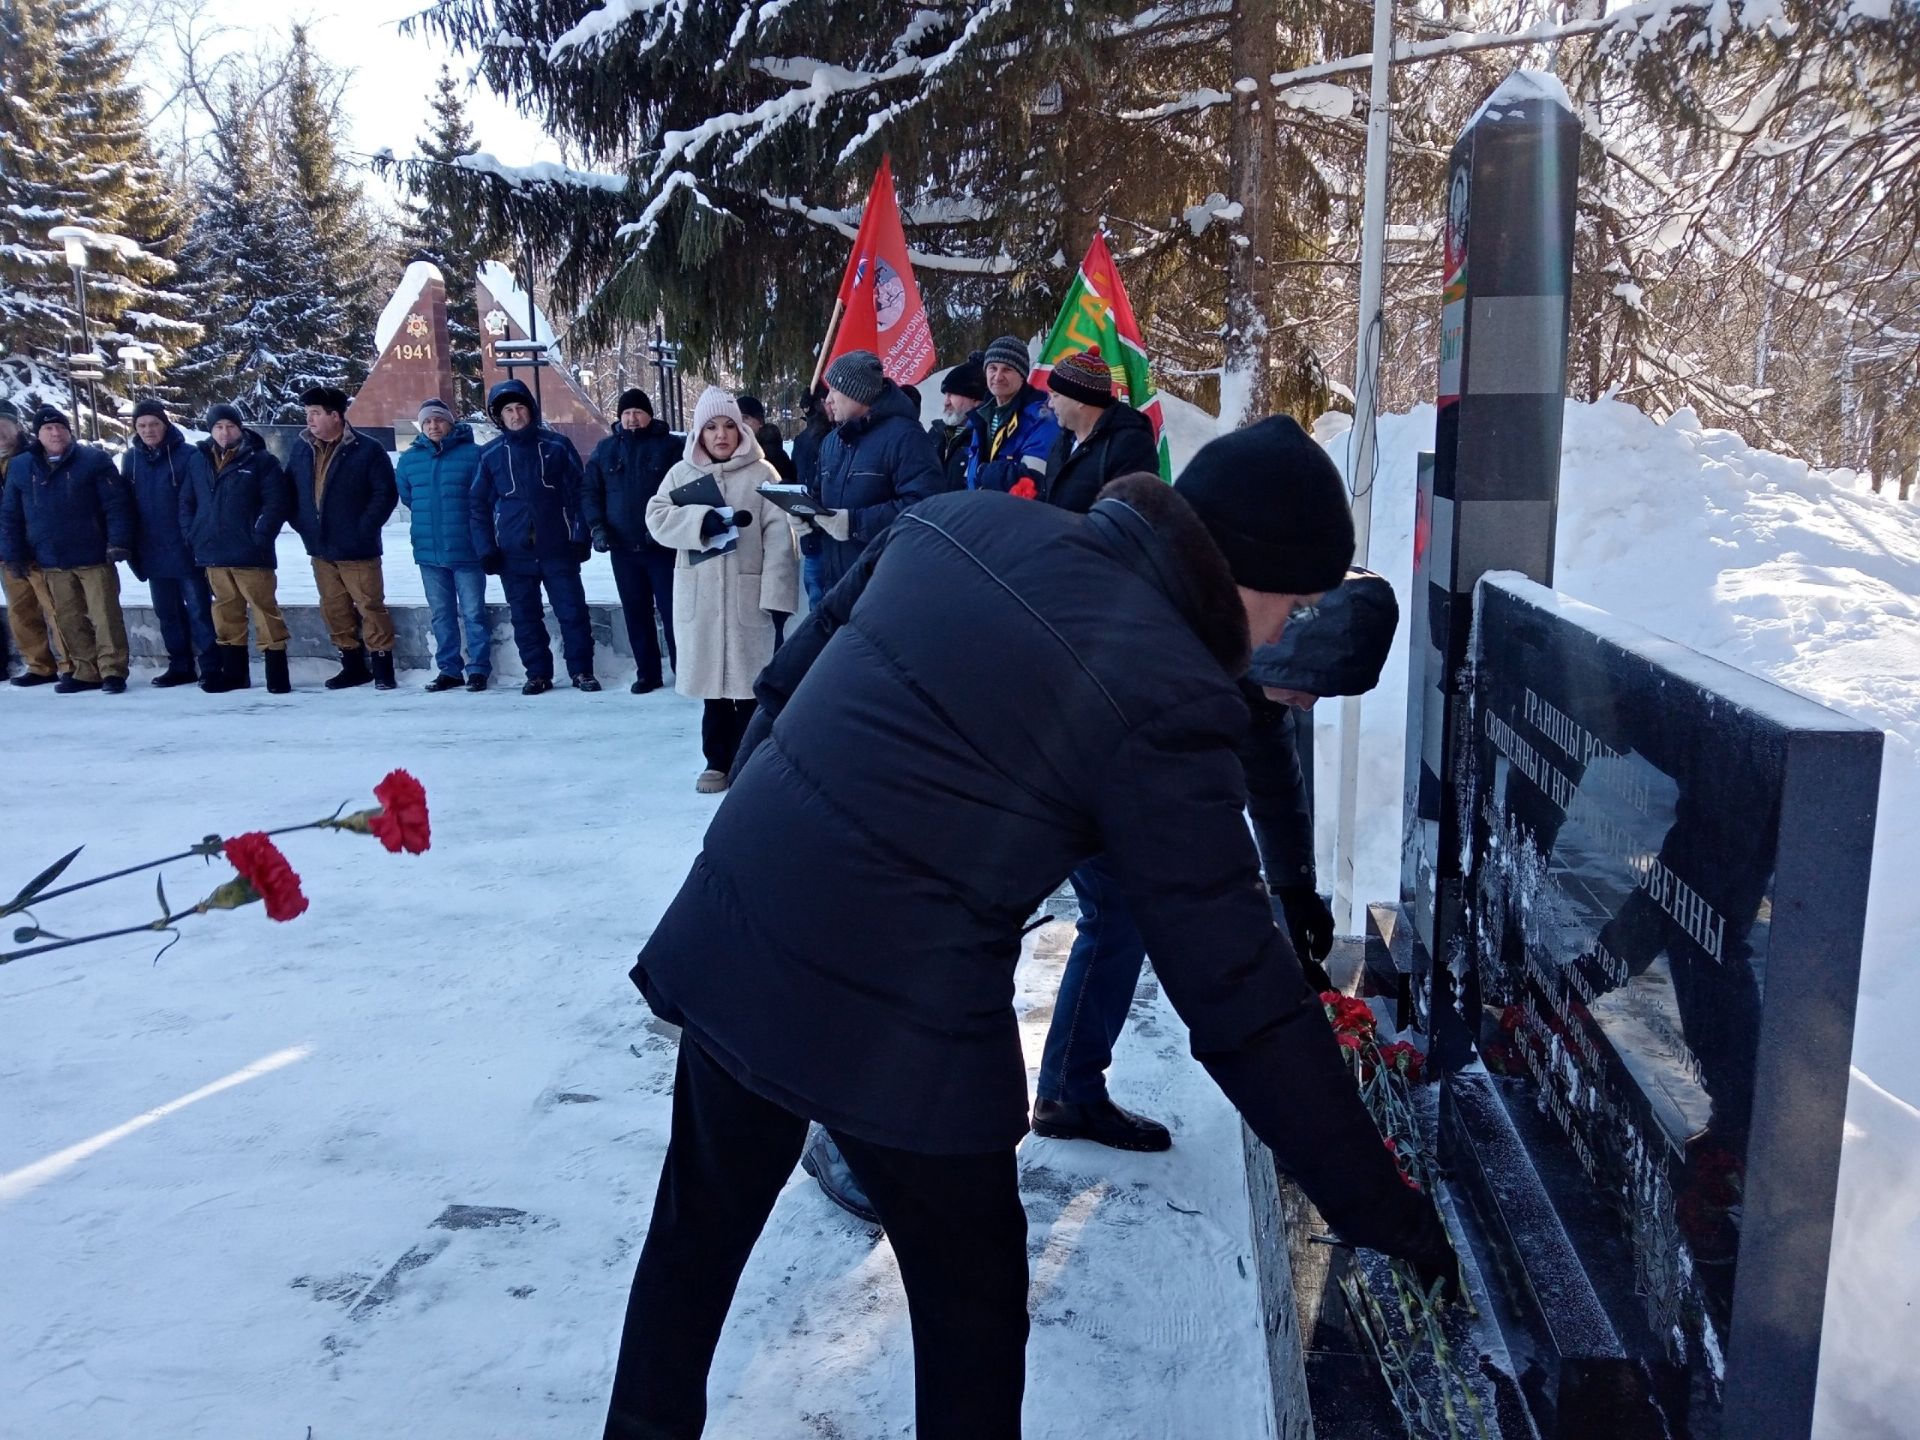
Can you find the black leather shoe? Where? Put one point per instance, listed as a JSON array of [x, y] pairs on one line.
[[440, 684], [476, 683], [586, 683], [539, 685], [114, 685], [1100, 1121], [27, 678], [643, 687], [67, 685], [174, 675]]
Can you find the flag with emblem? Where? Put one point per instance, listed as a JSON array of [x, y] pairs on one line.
[[879, 307], [1098, 315]]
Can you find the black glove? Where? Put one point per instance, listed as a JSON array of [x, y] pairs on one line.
[[600, 541], [493, 562], [117, 553], [1309, 921]]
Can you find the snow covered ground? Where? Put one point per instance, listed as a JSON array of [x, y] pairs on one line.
[[1806, 578], [457, 1030]]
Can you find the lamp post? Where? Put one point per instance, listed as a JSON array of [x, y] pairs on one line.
[[73, 239], [137, 358]]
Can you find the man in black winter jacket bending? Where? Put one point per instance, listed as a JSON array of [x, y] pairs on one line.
[[997, 691]]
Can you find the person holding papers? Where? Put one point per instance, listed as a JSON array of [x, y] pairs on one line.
[[729, 584]]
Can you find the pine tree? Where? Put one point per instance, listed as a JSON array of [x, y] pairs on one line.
[[73, 151], [354, 264], [441, 226], [254, 268]]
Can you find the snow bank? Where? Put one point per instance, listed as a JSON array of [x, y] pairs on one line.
[[420, 274], [1803, 577]]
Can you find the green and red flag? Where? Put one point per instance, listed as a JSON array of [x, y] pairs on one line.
[[1098, 315]]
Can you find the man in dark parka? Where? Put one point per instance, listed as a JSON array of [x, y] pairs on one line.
[[998, 691]]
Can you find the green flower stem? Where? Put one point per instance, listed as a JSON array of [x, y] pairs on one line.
[[165, 922], [206, 850]]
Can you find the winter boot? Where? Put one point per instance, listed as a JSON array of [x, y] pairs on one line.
[[824, 1162], [442, 683], [710, 782], [353, 670], [113, 685], [381, 663], [536, 685], [31, 677], [278, 681], [67, 685], [219, 677], [643, 687], [1100, 1121], [476, 683], [585, 682], [178, 672]]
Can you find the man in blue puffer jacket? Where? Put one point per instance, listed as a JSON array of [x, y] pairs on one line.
[[435, 478], [65, 511], [159, 467], [1014, 431], [876, 463], [527, 529]]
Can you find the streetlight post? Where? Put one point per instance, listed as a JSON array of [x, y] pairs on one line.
[[74, 241]]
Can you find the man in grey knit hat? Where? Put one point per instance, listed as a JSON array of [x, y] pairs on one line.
[[1014, 431], [875, 463]]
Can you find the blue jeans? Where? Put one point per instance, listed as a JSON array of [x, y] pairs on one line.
[[569, 600], [1096, 990], [644, 579], [457, 600], [184, 609], [810, 577]]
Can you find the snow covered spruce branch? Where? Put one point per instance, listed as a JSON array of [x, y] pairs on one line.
[[262, 872]]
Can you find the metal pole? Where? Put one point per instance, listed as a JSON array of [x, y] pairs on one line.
[[1362, 439], [86, 342], [533, 318]]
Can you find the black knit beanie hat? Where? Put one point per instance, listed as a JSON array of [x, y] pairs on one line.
[[968, 379], [1275, 505], [633, 398], [751, 407], [47, 415], [150, 407], [327, 397], [217, 413]]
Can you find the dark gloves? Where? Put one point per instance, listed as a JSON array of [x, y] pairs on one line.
[[581, 551], [117, 553], [494, 563], [1309, 921], [600, 541]]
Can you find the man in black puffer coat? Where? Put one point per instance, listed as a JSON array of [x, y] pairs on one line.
[[623, 473], [1101, 437], [998, 691], [875, 464], [159, 467], [231, 514]]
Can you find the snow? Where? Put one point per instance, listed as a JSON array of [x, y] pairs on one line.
[[419, 275], [1519, 88], [1808, 579], [505, 289], [220, 1174], [1331, 102], [1215, 208]]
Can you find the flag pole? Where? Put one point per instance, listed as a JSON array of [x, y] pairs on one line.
[[826, 345]]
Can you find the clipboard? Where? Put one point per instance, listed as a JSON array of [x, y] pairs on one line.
[[796, 500]]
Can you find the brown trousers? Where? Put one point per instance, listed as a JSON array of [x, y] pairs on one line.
[[86, 614], [29, 613], [234, 589], [347, 586]]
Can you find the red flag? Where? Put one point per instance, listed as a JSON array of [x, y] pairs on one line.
[[883, 312]]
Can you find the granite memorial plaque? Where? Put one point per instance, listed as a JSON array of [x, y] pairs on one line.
[[1666, 901]]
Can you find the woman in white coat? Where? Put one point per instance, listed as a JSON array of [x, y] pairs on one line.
[[735, 570]]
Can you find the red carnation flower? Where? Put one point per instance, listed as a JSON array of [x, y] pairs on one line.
[[1404, 1057], [1025, 489], [267, 873], [1406, 1179], [401, 823]]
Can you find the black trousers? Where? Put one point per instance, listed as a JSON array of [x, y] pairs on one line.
[[957, 1230], [644, 579], [723, 725]]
